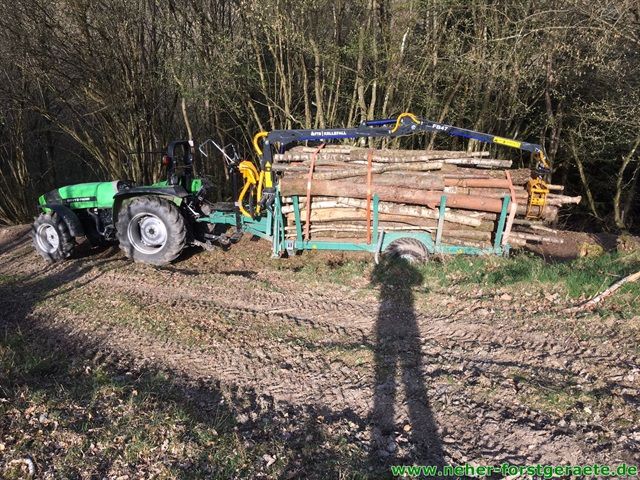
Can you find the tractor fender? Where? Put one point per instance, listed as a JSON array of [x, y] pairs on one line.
[[174, 193], [69, 217]]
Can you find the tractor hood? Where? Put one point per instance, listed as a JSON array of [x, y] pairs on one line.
[[82, 195]]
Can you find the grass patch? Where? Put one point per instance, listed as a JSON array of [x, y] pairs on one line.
[[8, 279], [190, 331], [559, 394], [585, 276], [352, 355], [106, 422], [560, 397], [290, 332], [578, 278], [342, 271], [122, 309]]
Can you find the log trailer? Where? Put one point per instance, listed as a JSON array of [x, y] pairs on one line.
[[264, 217], [153, 223]]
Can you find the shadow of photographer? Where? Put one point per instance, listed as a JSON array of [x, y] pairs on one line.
[[398, 361]]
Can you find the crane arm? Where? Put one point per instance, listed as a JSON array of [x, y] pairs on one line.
[[403, 125]]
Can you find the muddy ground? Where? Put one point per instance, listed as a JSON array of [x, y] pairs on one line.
[[399, 373]]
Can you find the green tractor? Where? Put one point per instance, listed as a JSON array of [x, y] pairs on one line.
[[152, 224]]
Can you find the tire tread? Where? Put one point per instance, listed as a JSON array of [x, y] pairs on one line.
[[168, 212]]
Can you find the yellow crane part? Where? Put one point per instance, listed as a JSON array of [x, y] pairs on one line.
[[410, 115], [537, 188], [265, 179], [538, 191], [256, 140], [251, 178]]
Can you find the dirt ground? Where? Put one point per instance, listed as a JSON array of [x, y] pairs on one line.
[[404, 374]]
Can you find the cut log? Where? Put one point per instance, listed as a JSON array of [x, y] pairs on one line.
[[477, 182], [390, 227], [534, 225], [390, 208], [417, 197], [413, 211], [351, 154], [359, 214], [479, 162], [358, 217], [409, 185], [536, 238], [356, 228], [521, 195], [411, 155], [331, 158], [424, 183], [357, 169]]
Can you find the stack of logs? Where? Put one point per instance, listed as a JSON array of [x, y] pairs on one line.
[[340, 181]]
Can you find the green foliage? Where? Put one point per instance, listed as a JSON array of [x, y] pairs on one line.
[[581, 277]]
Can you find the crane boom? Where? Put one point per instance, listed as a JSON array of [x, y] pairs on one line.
[[404, 124]]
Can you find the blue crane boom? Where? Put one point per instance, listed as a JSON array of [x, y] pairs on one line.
[[405, 124]]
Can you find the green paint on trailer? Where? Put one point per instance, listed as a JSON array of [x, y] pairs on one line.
[[271, 227]]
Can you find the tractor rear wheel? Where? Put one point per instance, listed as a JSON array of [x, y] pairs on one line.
[[409, 249], [51, 237], [151, 230]]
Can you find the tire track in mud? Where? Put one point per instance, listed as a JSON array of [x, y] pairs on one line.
[[312, 374], [456, 343], [455, 347], [113, 345], [456, 338], [516, 424], [300, 370], [335, 318]]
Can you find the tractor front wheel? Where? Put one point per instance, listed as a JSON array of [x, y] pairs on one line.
[[51, 238], [151, 230]]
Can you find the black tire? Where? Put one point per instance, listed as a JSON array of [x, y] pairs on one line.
[[409, 249], [51, 238], [151, 230]]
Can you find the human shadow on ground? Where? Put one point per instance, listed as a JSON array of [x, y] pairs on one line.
[[398, 363]]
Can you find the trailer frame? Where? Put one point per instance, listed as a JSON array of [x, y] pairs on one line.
[[271, 226]]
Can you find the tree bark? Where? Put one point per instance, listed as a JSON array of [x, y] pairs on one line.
[[290, 187]]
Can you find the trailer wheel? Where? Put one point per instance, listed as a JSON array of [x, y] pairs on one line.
[[411, 250], [51, 238], [151, 230]]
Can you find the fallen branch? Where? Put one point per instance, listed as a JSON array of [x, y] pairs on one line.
[[590, 304]]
